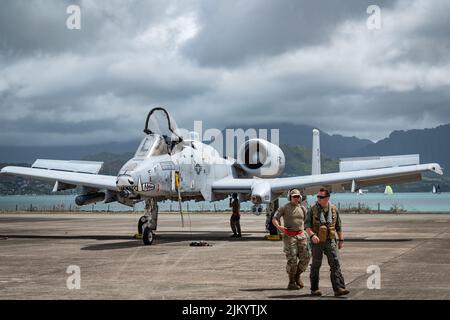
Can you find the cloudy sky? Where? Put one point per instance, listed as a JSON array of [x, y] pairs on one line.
[[224, 62]]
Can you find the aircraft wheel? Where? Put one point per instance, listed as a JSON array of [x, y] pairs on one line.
[[148, 236], [142, 220]]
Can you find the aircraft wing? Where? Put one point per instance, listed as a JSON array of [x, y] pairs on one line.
[[69, 178], [337, 181]]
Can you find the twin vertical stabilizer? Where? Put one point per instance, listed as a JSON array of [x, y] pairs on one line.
[[315, 165]]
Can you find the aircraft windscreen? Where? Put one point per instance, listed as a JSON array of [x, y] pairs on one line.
[[151, 145], [160, 122]]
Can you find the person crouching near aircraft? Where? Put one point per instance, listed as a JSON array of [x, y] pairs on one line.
[[304, 200], [295, 243], [235, 216], [322, 225]]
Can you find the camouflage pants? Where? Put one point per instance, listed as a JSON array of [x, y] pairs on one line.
[[297, 253], [331, 251]]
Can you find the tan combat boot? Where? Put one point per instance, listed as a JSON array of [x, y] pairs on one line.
[[341, 292], [292, 285], [299, 281]]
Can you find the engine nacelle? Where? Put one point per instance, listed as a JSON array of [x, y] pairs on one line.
[[260, 158]]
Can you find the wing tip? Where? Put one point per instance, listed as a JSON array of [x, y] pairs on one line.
[[435, 167], [4, 170]]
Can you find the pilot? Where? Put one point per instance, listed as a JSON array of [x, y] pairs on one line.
[[323, 226], [235, 216], [295, 244]]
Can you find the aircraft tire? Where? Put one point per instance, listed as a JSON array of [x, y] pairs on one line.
[[148, 236]]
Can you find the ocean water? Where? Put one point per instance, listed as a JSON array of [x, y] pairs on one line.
[[411, 202]]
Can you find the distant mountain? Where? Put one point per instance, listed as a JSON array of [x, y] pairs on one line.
[[27, 154], [335, 146], [18, 185], [298, 161], [112, 161], [433, 145]]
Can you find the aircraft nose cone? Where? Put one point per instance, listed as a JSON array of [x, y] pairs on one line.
[[124, 181]]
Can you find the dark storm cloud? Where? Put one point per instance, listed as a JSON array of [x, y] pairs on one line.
[[236, 31], [30, 125], [223, 62], [40, 26]]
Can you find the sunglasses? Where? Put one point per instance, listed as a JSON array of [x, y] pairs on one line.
[[296, 196], [322, 197]]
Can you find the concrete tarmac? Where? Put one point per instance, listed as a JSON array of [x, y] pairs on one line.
[[412, 252]]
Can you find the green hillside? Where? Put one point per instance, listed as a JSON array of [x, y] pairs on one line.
[[19, 185], [298, 161]]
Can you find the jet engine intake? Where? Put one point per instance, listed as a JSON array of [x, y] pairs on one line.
[[260, 158]]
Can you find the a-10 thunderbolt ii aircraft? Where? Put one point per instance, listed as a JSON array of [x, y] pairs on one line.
[[168, 167]]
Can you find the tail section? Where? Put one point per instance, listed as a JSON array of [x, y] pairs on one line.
[[315, 167]]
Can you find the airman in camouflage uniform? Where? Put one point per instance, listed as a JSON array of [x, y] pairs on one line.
[[295, 244], [323, 226]]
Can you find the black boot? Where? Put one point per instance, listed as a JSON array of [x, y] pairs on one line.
[[292, 285], [299, 281]]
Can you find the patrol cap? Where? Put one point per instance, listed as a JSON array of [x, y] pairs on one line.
[[295, 192]]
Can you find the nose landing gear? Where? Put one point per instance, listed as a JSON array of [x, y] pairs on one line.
[[148, 236], [142, 221], [148, 222]]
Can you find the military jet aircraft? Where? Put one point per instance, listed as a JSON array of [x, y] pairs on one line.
[[167, 166]]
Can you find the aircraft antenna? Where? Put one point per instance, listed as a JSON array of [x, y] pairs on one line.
[[177, 185], [179, 200]]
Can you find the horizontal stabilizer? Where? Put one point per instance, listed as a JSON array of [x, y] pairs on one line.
[[367, 163], [91, 167]]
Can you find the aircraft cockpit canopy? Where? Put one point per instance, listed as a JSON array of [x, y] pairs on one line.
[[160, 122]]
